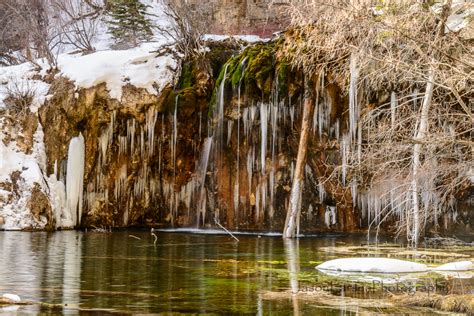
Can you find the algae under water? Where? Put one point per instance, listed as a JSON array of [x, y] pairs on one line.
[[73, 272]]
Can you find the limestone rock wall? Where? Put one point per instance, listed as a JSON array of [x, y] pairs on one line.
[[260, 17]]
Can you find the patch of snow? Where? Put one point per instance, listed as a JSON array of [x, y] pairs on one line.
[[246, 38], [15, 211], [20, 78], [372, 265], [461, 14], [455, 266], [12, 297], [137, 66]]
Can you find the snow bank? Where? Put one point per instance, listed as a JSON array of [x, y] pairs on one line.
[[387, 265], [20, 78], [372, 265], [13, 204], [12, 297], [455, 266], [116, 68]]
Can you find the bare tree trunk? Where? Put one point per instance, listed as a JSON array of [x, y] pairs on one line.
[[292, 216], [420, 134]]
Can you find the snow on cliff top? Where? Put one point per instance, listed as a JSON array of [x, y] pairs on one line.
[[137, 66]]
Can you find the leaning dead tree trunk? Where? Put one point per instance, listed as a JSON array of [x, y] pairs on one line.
[[294, 209], [420, 135]]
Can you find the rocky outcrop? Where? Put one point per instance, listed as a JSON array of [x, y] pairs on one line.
[[242, 16], [220, 146]]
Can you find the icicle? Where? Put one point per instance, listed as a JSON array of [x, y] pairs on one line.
[[330, 216], [150, 122], [236, 198], [353, 103], [220, 107], [230, 125], [122, 145], [292, 114], [393, 108], [263, 138], [322, 193], [310, 213], [250, 158], [321, 119], [104, 143], [75, 180], [272, 190], [359, 145], [354, 192], [142, 143], [111, 127], [257, 203], [55, 172], [315, 117], [120, 182], [345, 153], [131, 127], [245, 117], [200, 124]]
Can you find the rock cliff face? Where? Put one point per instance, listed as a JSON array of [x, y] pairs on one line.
[[219, 147], [260, 17]]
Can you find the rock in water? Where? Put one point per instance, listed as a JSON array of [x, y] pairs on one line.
[[455, 266], [372, 265], [12, 297]]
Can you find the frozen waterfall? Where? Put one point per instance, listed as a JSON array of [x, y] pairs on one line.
[[74, 182]]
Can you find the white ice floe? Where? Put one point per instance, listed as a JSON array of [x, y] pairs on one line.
[[455, 266], [372, 265], [388, 265]]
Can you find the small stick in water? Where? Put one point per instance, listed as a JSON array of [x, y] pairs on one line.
[[225, 229]]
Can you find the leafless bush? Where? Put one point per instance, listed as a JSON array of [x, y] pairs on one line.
[[20, 95], [188, 26]]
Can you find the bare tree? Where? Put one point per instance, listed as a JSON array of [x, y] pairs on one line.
[[30, 23], [79, 21], [406, 148], [188, 25]]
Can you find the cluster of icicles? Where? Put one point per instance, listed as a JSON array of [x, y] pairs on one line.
[[257, 133]]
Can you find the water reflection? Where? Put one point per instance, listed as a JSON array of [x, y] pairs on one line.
[[293, 262], [182, 273]]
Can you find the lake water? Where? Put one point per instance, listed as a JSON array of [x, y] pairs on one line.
[[126, 272]]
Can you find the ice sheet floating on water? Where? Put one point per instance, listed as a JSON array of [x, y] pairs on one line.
[[372, 265], [75, 181], [455, 266], [387, 265]]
